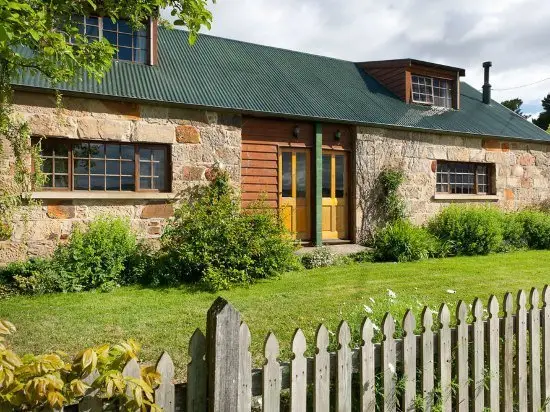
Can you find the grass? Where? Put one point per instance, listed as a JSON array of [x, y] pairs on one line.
[[164, 319]]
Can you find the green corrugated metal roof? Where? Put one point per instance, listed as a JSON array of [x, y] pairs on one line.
[[229, 74]]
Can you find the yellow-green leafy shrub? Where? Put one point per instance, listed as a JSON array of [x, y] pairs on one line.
[[52, 381]]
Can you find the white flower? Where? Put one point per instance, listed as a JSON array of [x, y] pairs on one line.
[[391, 367], [451, 292], [375, 327], [372, 300], [368, 309], [391, 294]]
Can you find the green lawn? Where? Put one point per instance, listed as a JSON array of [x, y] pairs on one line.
[[164, 319]]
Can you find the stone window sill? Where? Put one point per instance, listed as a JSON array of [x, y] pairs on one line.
[[102, 195], [469, 198]]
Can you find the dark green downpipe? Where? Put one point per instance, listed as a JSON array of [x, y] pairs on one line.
[[318, 196]]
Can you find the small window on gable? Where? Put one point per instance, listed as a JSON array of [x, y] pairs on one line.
[[464, 178], [131, 45], [431, 90]]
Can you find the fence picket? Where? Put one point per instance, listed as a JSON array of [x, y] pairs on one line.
[[368, 394], [271, 397], [388, 364], [494, 367], [343, 376], [445, 359], [165, 395], [244, 401], [197, 373], [131, 370], [427, 359], [462, 399], [321, 399], [546, 344], [91, 402], [478, 360], [298, 370], [409, 362], [521, 350], [508, 355], [534, 343]]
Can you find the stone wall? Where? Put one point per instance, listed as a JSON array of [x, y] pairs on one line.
[[198, 139], [522, 170]]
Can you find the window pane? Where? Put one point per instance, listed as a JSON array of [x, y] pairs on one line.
[[145, 153], [124, 27], [327, 183], [113, 167], [81, 150], [127, 183], [110, 36], [81, 182], [140, 42], [46, 147], [140, 56], [301, 175], [145, 168], [158, 154], [125, 53], [61, 149], [108, 24], [112, 151], [124, 40], [159, 183], [339, 159], [97, 150], [127, 152], [97, 182], [61, 181], [81, 166], [49, 181], [61, 165], [47, 166], [287, 174], [97, 167], [127, 168], [113, 182], [92, 31], [92, 20], [145, 183]]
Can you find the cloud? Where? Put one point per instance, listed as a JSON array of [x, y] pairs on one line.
[[513, 34]]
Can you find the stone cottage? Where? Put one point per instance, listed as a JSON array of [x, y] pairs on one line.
[[309, 134]]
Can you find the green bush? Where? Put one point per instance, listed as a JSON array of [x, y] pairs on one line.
[[392, 204], [35, 276], [213, 242], [95, 258], [469, 230], [401, 241], [513, 233], [536, 228]]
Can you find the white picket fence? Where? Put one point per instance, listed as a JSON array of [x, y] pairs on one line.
[[496, 363]]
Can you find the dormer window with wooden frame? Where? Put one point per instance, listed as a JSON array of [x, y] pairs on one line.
[[431, 90], [132, 45], [418, 82]]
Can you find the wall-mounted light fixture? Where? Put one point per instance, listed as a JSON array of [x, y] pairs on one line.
[[296, 132], [337, 135]]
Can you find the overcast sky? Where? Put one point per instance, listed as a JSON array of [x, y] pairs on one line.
[[513, 34]]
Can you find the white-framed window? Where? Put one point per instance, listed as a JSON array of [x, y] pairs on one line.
[[132, 45], [431, 90]]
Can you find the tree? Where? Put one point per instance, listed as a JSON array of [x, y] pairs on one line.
[[515, 106], [543, 121], [39, 36]]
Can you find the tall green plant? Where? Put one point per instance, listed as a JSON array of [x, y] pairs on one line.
[[391, 202], [212, 241]]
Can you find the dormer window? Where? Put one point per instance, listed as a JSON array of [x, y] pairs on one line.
[[430, 90], [131, 45]]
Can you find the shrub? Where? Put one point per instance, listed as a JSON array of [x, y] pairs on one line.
[[52, 381], [95, 258], [469, 230], [393, 205], [321, 257], [401, 241], [513, 233], [212, 241], [35, 276], [536, 228]]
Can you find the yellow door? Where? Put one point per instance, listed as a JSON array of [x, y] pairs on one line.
[[294, 191], [335, 195]]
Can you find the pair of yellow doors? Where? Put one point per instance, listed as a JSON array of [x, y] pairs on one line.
[[295, 199]]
